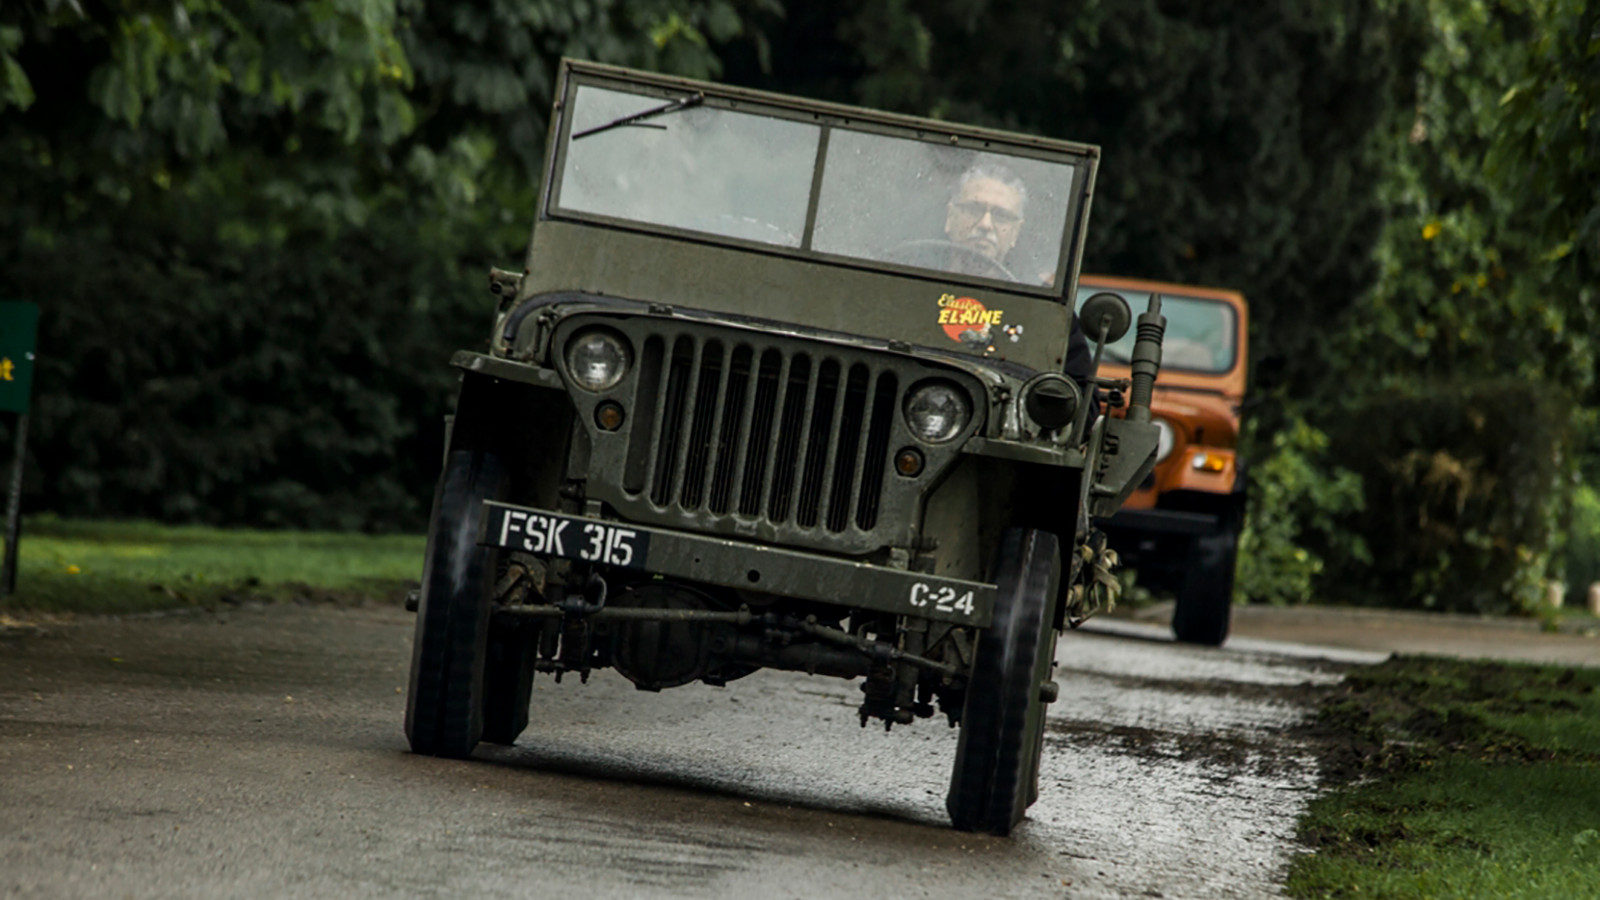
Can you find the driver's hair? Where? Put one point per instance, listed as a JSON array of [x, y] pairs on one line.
[[998, 172]]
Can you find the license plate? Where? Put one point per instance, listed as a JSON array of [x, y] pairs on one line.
[[549, 534]]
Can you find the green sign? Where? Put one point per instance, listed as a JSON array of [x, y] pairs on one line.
[[19, 323]]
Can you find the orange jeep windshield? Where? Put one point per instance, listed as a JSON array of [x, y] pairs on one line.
[[814, 186], [1201, 334]]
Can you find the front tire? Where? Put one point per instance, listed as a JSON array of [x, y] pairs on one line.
[[1002, 721], [508, 683], [445, 701], [1204, 611]]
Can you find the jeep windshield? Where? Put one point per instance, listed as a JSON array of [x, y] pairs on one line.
[[816, 185], [1200, 333]]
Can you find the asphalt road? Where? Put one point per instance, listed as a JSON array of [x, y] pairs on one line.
[[259, 753]]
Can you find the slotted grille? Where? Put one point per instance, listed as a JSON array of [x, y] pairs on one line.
[[797, 438]]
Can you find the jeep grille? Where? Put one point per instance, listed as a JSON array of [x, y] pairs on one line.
[[761, 432]]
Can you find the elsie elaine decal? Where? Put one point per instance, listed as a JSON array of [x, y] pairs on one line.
[[966, 320]]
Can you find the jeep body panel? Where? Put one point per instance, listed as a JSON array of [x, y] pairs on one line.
[[582, 258]]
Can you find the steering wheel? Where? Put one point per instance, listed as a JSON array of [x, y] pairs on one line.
[[948, 256]]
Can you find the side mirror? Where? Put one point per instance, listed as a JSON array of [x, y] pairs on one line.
[[1105, 317]]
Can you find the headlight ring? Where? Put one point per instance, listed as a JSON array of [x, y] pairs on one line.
[[937, 411], [598, 358]]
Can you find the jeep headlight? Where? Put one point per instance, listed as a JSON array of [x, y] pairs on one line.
[[1165, 441], [597, 359], [938, 411], [1051, 400]]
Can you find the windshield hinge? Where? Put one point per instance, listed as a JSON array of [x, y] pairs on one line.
[[504, 284]]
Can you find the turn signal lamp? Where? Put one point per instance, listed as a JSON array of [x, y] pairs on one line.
[[908, 462], [608, 416], [1209, 462]]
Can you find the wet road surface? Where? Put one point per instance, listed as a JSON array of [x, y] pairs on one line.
[[259, 753]]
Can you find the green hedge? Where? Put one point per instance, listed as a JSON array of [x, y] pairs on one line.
[[1460, 483], [185, 378], [1583, 546]]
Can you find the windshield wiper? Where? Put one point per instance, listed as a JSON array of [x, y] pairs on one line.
[[694, 99]]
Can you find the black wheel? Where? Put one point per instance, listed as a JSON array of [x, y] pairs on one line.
[[1002, 721], [444, 706], [1204, 610]]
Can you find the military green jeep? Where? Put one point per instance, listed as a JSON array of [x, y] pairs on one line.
[[783, 384]]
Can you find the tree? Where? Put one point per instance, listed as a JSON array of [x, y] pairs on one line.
[[1484, 314], [258, 229]]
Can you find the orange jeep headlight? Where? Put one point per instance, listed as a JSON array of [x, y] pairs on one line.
[[1167, 439]]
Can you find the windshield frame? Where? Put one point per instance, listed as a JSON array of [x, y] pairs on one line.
[[1082, 157]]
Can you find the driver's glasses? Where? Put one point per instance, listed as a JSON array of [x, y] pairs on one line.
[[973, 211]]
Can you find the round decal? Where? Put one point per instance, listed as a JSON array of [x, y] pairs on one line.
[[968, 321]]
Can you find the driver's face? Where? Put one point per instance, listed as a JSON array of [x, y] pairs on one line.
[[986, 216]]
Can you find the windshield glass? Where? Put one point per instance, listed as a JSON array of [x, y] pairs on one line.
[[680, 163], [937, 206], [697, 168], [1200, 333]]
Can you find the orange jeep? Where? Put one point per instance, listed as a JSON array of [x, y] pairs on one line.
[[1180, 529]]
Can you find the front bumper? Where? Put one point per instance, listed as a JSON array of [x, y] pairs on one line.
[[737, 564]]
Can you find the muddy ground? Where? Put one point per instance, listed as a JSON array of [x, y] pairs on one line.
[[258, 752]]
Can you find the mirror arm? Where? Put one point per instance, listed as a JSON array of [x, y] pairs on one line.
[[1088, 400]]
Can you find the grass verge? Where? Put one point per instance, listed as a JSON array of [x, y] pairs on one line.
[[1463, 779], [74, 566]]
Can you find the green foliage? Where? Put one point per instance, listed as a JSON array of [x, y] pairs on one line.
[[184, 377], [1581, 549], [1459, 478], [259, 229], [1297, 494], [1544, 150], [182, 79], [15, 90], [1483, 265], [1487, 270]]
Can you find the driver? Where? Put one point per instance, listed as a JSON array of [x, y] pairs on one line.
[[985, 212], [985, 215]]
